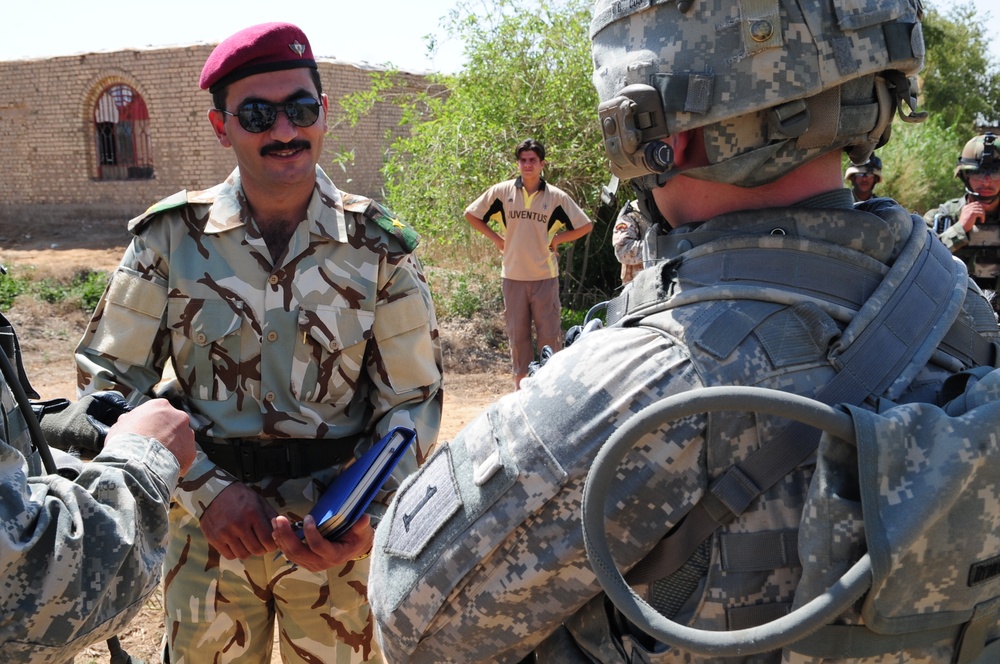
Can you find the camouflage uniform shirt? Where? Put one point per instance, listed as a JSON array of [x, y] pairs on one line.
[[979, 250], [482, 555], [337, 339], [626, 238], [78, 558]]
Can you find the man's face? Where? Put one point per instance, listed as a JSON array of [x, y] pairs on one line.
[[283, 154], [864, 182], [529, 165], [985, 183]]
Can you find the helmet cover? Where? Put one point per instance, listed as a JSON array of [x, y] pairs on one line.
[[773, 83], [873, 166], [979, 154]]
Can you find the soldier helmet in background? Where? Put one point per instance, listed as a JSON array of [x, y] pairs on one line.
[[979, 154], [773, 83], [873, 165]]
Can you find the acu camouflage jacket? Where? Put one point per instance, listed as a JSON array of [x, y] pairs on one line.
[[481, 554], [78, 558], [979, 250]]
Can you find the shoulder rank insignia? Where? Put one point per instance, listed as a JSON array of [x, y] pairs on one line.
[[387, 221], [383, 217]]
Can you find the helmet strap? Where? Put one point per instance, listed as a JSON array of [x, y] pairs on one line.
[[969, 194]]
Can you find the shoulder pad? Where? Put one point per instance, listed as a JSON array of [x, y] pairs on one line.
[[384, 218], [172, 202]]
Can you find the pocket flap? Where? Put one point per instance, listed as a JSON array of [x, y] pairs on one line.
[[335, 328], [858, 14], [399, 316], [204, 321]]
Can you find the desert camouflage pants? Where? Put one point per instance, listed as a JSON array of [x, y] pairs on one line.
[[220, 610]]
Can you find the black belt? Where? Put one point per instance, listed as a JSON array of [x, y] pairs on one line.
[[252, 459]]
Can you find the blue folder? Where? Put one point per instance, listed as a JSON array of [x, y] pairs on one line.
[[349, 495]]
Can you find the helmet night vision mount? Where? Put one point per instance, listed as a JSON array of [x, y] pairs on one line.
[[633, 124]]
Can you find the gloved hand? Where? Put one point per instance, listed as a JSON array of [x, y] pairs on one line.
[[84, 424]]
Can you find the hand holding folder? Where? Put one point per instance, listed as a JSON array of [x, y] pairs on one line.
[[349, 495]]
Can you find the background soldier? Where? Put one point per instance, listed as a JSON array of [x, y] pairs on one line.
[[626, 238], [80, 551], [731, 118], [863, 178], [970, 225], [300, 328]]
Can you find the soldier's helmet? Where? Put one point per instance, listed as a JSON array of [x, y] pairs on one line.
[[979, 154], [773, 83], [873, 165]]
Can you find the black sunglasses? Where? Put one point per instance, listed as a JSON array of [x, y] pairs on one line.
[[259, 116]]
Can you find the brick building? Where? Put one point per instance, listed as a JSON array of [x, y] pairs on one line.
[[104, 135]]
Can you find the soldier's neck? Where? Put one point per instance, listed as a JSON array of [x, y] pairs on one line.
[[277, 219], [277, 201], [685, 200]]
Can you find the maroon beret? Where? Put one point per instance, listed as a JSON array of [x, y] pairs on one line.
[[255, 50]]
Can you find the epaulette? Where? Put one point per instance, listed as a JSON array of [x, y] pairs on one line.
[[384, 218], [172, 202]]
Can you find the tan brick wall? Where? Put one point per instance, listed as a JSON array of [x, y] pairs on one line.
[[49, 152]]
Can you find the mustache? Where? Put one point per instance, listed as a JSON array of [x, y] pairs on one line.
[[277, 146]]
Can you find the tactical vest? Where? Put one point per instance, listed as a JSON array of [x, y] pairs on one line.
[[981, 254], [732, 296]]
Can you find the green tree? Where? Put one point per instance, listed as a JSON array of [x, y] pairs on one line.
[[960, 83], [527, 74], [960, 89]]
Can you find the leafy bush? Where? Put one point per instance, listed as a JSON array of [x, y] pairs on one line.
[[918, 164], [10, 288], [571, 317], [49, 290], [84, 288], [89, 285], [528, 74]]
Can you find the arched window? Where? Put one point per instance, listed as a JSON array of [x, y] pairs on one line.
[[121, 129]]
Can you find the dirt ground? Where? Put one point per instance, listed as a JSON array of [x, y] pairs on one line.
[[475, 375]]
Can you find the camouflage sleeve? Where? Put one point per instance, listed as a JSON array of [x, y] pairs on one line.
[[125, 345], [405, 365], [943, 221], [954, 237], [79, 558], [481, 553], [626, 238]]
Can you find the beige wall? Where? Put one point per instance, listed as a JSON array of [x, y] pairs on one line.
[[47, 151]]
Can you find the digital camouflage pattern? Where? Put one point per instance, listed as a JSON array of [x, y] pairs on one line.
[[979, 250], [78, 558], [338, 340], [927, 504], [773, 83], [481, 554], [626, 238]]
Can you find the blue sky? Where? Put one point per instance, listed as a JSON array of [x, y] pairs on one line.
[[373, 31]]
